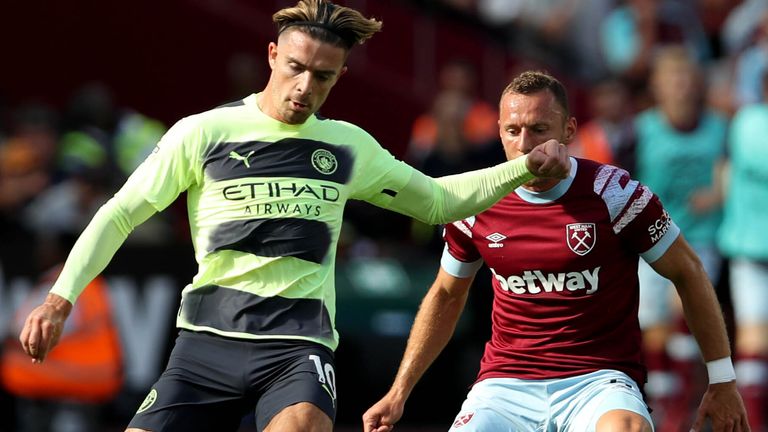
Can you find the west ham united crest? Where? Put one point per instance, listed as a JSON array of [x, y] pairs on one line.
[[581, 237]]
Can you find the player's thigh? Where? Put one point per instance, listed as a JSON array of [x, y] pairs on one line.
[[502, 404], [302, 416], [199, 390], [306, 384], [612, 402]]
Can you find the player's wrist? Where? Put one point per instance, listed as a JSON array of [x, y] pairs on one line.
[[721, 371]]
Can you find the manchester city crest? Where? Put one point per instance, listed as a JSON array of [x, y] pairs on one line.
[[324, 161]]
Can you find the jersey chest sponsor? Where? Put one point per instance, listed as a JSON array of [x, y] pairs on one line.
[[276, 189], [537, 282]]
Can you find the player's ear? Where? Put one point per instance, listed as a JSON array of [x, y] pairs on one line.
[[570, 130], [272, 54], [343, 70]]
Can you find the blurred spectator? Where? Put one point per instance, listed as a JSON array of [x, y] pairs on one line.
[[608, 137], [26, 163], [457, 101], [83, 372], [680, 143], [460, 132], [636, 29], [751, 64], [66, 207], [738, 30], [135, 137], [744, 239], [101, 145], [560, 34]]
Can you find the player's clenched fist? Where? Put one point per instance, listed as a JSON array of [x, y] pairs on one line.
[[549, 159], [43, 327]]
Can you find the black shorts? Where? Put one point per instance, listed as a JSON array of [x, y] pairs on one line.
[[212, 382]]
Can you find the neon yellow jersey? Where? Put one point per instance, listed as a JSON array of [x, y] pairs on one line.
[[265, 202]]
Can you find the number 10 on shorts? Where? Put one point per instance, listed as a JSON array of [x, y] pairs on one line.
[[326, 375]]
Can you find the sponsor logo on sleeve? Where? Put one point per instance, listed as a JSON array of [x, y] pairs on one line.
[[659, 227]]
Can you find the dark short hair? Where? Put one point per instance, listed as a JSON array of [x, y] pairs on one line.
[[530, 82], [325, 21]]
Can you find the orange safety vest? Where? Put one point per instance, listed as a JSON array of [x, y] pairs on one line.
[[85, 365], [591, 143]]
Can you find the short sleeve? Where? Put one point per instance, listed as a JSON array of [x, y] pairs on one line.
[[460, 257], [637, 214]]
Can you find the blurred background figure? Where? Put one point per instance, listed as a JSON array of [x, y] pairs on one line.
[[560, 34], [751, 64], [744, 239], [633, 32], [680, 149], [458, 123], [68, 392], [609, 136], [27, 159]]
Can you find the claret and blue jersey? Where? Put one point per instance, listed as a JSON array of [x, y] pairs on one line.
[[564, 272]]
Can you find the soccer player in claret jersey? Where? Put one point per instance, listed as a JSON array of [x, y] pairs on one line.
[[266, 181], [565, 349]]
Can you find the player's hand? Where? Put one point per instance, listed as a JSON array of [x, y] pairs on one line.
[[383, 415], [549, 159], [43, 327], [723, 405]]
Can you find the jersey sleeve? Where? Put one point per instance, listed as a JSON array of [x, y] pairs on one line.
[[173, 166], [637, 214], [379, 176], [460, 257], [386, 182]]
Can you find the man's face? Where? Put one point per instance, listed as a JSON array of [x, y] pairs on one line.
[[303, 72], [527, 120]]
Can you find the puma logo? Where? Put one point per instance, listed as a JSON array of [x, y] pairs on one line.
[[236, 156]]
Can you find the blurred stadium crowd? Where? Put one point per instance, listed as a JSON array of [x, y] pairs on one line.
[[671, 90]]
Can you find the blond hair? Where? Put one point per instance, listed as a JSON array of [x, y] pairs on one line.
[[325, 21]]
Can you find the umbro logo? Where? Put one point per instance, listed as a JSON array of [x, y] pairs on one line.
[[235, 155], [495, 238]]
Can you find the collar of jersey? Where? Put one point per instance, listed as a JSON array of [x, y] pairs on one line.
[[552, 194], [250, 101]]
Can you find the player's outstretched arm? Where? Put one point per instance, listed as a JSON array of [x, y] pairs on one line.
[[432, 329], [450, 198], [89, 256], [721, 403]]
